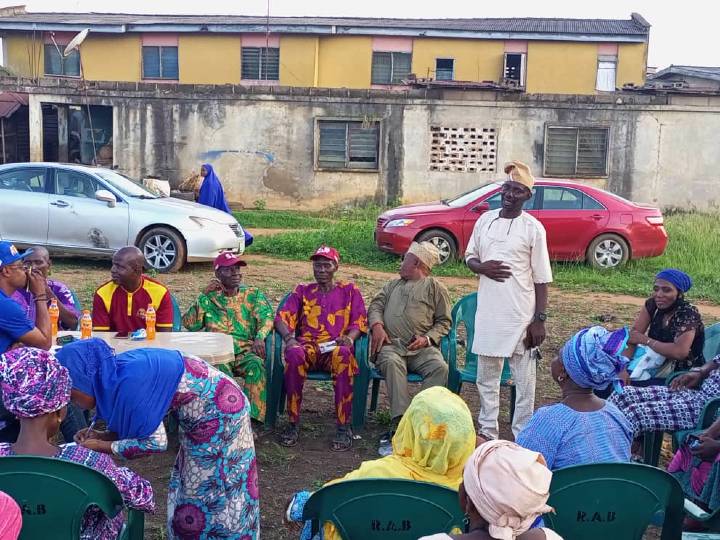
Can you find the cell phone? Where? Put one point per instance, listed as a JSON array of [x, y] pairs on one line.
[[693, 441], [121, 335], [61, 341]]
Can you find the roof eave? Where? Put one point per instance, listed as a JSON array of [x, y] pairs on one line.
[[315, 30]]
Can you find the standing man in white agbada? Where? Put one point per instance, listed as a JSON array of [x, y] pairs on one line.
[[508, 251]]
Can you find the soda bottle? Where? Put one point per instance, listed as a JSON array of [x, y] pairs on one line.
[[54, 311], [86, 325], [150, 322]]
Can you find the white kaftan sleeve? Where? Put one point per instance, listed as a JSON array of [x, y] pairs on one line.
[[540, 258]]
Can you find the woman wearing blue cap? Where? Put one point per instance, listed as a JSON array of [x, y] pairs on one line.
[[670, 326]]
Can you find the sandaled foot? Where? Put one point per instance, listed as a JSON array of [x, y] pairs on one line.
[[343, 439], [290, 436]]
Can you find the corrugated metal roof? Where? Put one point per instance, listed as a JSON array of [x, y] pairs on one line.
[[635, 26], [701, 72]]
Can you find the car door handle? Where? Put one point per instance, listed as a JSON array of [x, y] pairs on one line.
[[596, 217], [61, 204]]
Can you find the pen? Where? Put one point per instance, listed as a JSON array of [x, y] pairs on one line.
[[91, 426]]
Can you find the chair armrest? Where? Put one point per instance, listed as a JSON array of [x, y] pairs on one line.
[[709, 413], [451, 358], [135, 527], [362, 352]]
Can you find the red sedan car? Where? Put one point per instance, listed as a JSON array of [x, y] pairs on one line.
[[582, 223]]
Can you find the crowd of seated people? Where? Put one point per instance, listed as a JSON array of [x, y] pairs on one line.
[[503, 486]]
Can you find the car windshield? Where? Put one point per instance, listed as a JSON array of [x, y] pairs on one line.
[[469, 196], [125, 185]]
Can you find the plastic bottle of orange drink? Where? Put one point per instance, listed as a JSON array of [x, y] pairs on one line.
[[54, 311], [86, 325], [150, 318]]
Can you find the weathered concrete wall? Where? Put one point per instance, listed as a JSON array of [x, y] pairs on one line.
[[263, 144]]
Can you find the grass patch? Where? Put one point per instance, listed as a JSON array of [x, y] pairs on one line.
[[274, 219], [694, 247]]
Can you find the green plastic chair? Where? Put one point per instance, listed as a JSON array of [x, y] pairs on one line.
[[464, 313], [177, 315], [376, 376], [373, 509], [54, 495], [614, 500], [276, 386], [712, 342], [78, 306]]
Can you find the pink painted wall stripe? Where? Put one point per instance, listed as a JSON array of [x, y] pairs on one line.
[[392, 44], [160, 40], [515, 46], [608, 49]]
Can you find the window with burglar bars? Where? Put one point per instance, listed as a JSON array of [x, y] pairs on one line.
[[576, 151], [160, 62], [260, 64], [348, 145], [57, 64], [390, 67]]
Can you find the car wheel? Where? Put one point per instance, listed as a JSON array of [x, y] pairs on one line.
[[441, 240], [163, 248], [608, 251]]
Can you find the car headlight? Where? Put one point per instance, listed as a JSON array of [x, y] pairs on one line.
[[204, 222], [399, 223]]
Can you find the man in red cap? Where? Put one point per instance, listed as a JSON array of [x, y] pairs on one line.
[[229, 307], [319, 323]]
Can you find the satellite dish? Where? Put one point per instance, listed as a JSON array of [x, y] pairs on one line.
[[75, 42]]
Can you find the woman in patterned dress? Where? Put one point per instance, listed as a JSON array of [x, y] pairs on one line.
[[213, 490], [36, 389]]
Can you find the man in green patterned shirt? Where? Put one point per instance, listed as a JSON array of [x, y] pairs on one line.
[[243, 312]]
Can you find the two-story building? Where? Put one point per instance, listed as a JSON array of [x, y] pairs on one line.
[[550, 56]]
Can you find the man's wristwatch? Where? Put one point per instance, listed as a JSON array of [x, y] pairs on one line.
[[540, 317]]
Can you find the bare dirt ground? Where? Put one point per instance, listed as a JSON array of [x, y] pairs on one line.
[[310, 464]]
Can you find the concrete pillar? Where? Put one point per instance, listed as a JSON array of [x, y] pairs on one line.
[[62, 112], [36, 128]]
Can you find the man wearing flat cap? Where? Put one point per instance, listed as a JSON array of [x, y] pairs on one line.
[[508, 251], [408, 318]]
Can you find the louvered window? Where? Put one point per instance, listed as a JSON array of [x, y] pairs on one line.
[[57, 64], [348, 145], [390, 67], [260, 64], [160, 63], [576, 151]]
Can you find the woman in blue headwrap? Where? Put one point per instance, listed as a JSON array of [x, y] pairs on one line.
[[583, 428], [211, 191], [214, 485], [670, 326]]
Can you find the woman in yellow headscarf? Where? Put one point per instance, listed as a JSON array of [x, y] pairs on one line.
[[432, 442]]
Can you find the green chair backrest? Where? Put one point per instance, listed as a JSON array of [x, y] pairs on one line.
[[54, 494], [464, 313], [712, 342], [177, 315], [613, 501], [371, 509]]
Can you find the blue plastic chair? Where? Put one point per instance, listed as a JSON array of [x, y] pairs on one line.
[[276, 382], [464, 313]]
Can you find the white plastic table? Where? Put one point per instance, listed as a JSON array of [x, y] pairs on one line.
[[214, 348]]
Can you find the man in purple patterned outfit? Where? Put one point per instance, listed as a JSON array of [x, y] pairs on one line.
[[39, 259]]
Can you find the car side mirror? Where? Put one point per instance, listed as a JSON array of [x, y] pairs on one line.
[[481, 207], [105, 196]]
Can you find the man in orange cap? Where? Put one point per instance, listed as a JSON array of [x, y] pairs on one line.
[[508, 251], [319, 323]]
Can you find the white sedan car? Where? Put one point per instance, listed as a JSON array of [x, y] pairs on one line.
[[79, 210]]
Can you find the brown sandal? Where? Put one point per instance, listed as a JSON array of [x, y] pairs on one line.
[[343, 439]]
